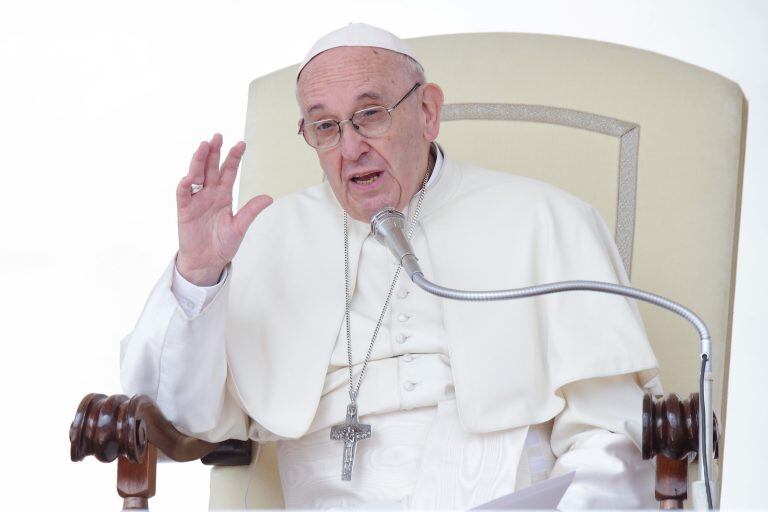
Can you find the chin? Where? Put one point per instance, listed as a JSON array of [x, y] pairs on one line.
[[364, 212]]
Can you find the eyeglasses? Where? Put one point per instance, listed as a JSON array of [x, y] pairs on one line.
[[368, 122]]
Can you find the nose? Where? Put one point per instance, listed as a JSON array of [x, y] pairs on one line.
[[352, 144]]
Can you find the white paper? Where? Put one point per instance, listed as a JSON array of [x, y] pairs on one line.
[[543, 495]]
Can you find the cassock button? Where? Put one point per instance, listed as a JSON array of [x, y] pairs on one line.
[[400, 338], [402, 293], [402, 317], [407, 358], [409, 386]]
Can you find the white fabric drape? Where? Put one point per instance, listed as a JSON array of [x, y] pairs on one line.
[[261, 356]]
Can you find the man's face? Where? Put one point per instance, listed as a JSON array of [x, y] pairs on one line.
[[367, 174]]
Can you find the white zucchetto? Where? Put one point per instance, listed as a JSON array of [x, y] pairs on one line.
[[357, 34]]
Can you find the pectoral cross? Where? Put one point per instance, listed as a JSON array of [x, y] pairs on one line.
[[351, 431]]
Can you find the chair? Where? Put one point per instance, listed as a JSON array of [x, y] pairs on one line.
[[655, 144]]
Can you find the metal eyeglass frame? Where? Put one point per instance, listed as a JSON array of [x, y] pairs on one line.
[[356, 127]]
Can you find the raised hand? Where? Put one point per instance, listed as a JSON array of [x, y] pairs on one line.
[[209, 234]]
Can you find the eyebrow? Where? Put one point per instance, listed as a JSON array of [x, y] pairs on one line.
[[367, 95]]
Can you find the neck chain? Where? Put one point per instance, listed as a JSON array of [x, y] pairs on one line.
[[354, 390], [351, 431]]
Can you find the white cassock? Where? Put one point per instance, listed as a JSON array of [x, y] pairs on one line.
[[467, 401]]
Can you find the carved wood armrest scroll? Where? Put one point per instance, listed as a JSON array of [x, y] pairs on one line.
[[671, 434], [134, 430]]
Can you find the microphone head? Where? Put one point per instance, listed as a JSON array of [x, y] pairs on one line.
[[387, 227], [384, 221]]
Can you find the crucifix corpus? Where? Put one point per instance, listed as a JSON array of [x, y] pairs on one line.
[[351, 431]]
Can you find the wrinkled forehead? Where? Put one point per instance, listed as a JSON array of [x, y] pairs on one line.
[[349, 71]]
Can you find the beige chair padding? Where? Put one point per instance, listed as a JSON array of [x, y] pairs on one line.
[[655, 144], [246, 487]]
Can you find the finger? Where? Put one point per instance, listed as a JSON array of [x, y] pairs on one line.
[[250, 210], [197, 165], [231, 163], [212, 162], [184, 191]]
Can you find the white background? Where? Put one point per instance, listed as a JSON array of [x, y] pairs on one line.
[[103, 103]]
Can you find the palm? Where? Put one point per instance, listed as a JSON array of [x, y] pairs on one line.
[[206, 225], [209, 233]]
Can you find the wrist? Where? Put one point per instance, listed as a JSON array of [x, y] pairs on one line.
[[198, 275]]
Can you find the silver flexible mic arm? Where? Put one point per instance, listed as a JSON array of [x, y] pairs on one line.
[[387, 227]]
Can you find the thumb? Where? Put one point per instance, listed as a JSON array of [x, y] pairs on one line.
[[250, 210]]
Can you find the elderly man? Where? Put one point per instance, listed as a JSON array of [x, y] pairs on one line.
[[453, 404]]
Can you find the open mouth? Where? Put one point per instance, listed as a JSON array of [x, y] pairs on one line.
[[367, 179]]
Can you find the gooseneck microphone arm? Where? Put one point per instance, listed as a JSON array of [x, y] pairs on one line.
[[387, 227]]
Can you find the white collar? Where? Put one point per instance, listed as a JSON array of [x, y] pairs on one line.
[[437, 167]]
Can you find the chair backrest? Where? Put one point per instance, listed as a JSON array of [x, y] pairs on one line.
[[655, 144]]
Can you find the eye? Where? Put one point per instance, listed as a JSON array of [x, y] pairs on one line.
[[370, 115], [324, 126]]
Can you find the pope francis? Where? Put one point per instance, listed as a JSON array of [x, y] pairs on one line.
[[296, 326]]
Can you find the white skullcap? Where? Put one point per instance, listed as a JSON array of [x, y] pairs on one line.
[[357, 34]]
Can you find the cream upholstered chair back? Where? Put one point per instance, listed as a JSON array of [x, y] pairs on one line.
[[655, 144]]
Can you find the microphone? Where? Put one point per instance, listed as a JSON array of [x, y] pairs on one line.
[[387, 227]]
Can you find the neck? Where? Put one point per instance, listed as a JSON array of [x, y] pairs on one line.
[[423, 177]]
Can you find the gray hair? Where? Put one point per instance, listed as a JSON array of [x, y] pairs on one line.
[[414, 70]]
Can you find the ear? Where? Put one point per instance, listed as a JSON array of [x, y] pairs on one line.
[[431, 103]]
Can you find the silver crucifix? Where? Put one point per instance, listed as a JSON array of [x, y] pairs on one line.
[[351, 431]]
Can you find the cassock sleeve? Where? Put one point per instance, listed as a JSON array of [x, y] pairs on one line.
[[597, 435], [192, 298], [181, 363]]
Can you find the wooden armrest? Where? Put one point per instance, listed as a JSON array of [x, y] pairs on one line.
[[133, 430], [671, 434]]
